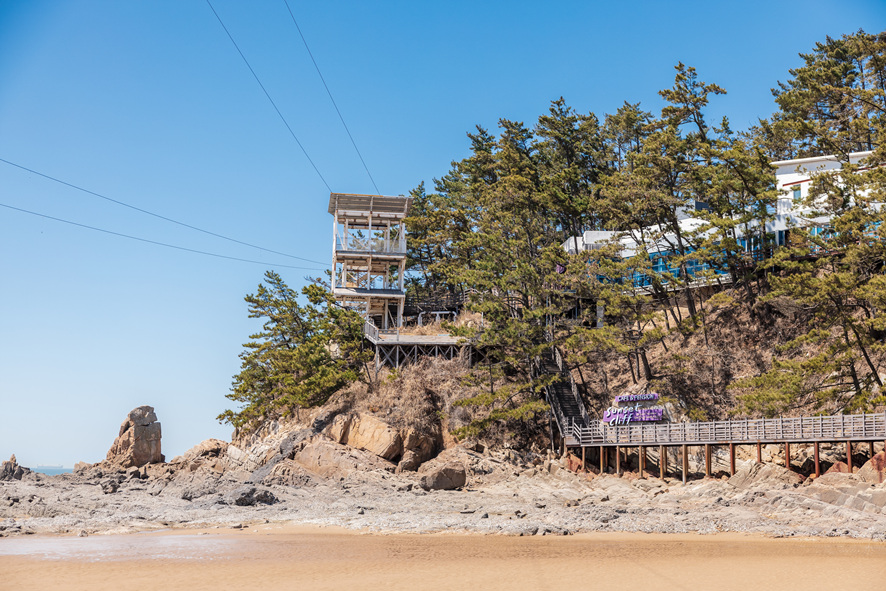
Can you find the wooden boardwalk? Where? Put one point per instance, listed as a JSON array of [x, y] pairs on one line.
[[846, 429], [864, 427], [394, 348]]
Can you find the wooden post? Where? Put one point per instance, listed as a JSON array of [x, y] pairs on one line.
[[602, 460], [617, 460], [732, 459], [707, 460], [759, 453], [817, 463], [642, 454], [685, 463], [849, 455], [583, 464], [662, 462], [563, 437], [787, 455]]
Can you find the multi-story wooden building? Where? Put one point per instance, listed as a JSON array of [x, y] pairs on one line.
[[369, 255]]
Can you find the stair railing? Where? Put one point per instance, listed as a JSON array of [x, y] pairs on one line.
[[561, 365]]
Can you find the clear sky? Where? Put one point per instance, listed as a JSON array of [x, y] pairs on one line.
[[149, 103]]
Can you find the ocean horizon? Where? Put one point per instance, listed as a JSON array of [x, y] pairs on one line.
[[52, 470]]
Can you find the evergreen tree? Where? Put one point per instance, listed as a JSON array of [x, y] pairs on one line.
[[302, 356]]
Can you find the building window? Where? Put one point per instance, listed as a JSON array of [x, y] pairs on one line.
[[796, 193]]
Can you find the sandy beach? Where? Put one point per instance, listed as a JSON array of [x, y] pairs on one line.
[[283, 557]]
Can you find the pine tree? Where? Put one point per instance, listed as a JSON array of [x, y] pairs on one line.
[[301, 357]]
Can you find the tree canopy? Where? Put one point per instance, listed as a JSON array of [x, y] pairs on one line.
[[303, 355]]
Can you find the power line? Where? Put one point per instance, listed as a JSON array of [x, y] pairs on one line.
[[212, 254], [282, 118], [330, 96], [156, 215]]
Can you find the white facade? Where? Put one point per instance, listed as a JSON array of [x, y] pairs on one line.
[[793, 179]]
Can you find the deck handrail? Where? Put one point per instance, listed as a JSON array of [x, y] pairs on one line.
[[865, 427], [558, 359]]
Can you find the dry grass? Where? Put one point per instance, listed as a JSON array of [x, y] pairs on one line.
[[418, 396], [465, 318]]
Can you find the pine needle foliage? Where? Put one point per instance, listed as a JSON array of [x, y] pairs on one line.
[[303, 355]]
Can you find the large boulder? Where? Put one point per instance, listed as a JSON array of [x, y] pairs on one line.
[[874, 469], [139, 440], [12, 471], [366, 432], [448, 476]]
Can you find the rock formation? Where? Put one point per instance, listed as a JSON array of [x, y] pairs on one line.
[[366, 432], [139, 440], [12, 471], [449, 476]]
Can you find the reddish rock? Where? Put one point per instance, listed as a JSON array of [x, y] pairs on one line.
[[573, 463], [139, 440], [839, 468], [874, 470]]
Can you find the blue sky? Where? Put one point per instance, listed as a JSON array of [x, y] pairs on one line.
[[149, 103]]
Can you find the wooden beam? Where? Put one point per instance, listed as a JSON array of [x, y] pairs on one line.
[[849, 455], [685, 451], [817, 462], [583, 464], [707, 460], [787, 455], [732, 458], [759, 453], [662, 462], [617, 460], [642, 454]]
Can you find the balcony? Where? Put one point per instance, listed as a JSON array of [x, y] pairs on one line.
[[378, 245]]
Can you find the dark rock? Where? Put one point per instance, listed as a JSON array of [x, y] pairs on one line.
[[12, 471], [249, 496], [110, 486]]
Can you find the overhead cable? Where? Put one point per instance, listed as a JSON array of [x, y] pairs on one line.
[[156, 215], [282, 118], [329, 92], [211, 254]]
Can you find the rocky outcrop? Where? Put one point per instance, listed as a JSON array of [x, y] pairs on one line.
[[752, 474], [366, 432], [209, 453], [448, 476], [12, 471], [333, 460], [139, 440], [423, 445]]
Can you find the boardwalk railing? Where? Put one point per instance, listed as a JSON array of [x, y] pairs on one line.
[[864, 427], [371, 331]]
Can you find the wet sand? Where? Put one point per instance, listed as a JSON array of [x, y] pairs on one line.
[[275, 557]]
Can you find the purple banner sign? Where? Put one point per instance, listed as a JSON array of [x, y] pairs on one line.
[[636, 397], [629, 414]]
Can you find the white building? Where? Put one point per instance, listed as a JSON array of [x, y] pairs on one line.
[[793, 179]]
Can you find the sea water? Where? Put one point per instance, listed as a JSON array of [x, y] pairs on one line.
[[52, 470]]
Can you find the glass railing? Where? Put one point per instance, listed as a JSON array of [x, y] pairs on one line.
[[354, 243]]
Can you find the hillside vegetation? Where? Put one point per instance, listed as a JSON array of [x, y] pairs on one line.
[[798, 330]]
